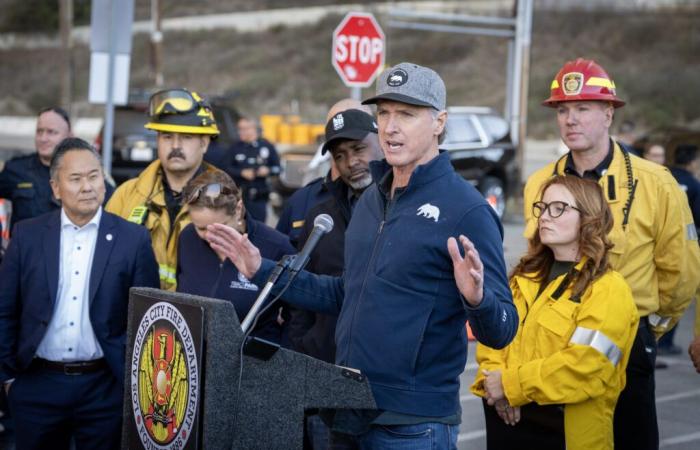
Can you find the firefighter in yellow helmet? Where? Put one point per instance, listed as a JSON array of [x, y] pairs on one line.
[[655, 241], [185, 125]]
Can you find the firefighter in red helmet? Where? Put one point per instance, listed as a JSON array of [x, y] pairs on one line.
[[655, 241]]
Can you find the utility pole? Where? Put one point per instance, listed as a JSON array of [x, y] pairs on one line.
[[65, 13], [517, 30], [157, 42]]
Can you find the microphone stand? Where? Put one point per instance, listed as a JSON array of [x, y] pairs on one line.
[[279, 269]]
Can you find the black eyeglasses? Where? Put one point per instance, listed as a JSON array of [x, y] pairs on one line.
[[211, 191], [556, 209]]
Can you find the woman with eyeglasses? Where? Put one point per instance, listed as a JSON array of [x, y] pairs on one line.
[[213, 197], [555, 386]]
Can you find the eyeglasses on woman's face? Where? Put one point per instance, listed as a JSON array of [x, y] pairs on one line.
[[556, 209]]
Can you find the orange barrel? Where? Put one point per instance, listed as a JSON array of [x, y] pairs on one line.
[[300, 134], [284, 133], [269, 124], [317, 133]]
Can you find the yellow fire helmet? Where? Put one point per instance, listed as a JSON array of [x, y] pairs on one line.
[[181, 111]]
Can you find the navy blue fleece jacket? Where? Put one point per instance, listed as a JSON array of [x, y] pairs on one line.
[[401, 317]]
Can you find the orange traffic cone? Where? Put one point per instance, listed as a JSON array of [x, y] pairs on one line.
[[470, 335]]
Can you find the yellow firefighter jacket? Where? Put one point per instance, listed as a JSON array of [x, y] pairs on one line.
[[568, 352], [657, 251], [142, 200]]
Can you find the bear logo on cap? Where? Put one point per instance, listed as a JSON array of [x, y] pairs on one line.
[[397, 78]]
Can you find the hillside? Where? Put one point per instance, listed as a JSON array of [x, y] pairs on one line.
[[653, 58]]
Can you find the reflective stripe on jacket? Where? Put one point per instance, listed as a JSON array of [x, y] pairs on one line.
[[657, 252], [568, 352], [142, 200]]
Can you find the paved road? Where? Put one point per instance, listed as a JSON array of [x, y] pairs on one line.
[[678, 386]]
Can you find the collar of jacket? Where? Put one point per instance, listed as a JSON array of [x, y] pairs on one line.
[[339, 192], [613, 181], [529, 287], [150, 184], [422, 174], [251, 226]]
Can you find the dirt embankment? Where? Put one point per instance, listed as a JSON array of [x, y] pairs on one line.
[[651, 55]]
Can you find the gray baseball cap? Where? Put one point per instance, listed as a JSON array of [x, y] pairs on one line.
[[412, 84]]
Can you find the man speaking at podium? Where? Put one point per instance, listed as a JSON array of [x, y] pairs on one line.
[[407, 290]]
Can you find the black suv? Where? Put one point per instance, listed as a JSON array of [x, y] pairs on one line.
[[481, 151], [134, 147], [478, 140]]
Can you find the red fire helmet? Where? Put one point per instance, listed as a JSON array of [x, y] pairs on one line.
[[581, 80]]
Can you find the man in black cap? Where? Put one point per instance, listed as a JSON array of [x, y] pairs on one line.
[[407, 290], [351, 137]]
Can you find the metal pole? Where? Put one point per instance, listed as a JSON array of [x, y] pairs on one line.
[[463, 18], [495, 32], [109, 106], [356, 93], [523, 39], [157, 42], [65, 26], [508, 107]]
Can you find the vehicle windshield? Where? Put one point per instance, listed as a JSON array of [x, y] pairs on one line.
[[129, 122], [460, 130]]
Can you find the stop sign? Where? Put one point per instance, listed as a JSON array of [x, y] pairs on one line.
[[358, 49]]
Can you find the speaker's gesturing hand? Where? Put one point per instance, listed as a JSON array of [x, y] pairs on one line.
[[468, 271], [236, 247]]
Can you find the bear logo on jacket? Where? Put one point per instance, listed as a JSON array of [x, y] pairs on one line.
[[429, 212]]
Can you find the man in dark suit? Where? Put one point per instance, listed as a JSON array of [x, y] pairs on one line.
[[63, 310]]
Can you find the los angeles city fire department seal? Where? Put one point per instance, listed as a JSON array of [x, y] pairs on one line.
[[164, 379]]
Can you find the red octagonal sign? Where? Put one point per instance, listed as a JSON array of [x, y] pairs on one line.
[[358, 49]]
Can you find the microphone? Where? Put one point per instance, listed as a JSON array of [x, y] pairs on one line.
[[323, 223]]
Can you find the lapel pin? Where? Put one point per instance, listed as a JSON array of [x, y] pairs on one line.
[[109, 237]]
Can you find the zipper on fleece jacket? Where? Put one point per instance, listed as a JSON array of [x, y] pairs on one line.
[[388, 205], [218, 280]]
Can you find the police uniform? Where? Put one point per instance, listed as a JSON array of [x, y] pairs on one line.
[[25, 182], [253, 155], [291, 221]]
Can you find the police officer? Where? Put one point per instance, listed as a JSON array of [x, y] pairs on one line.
[[655, 243], [291, 221], [25, 180], [185, 125], [251, 161]]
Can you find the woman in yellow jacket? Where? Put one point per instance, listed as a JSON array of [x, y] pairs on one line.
[[555, 386]]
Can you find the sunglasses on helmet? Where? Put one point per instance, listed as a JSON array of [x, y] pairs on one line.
[[175, 101]]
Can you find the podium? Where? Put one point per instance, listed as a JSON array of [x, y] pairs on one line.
[[185, 387]]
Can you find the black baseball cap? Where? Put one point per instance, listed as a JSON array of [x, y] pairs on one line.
[[349, 124]]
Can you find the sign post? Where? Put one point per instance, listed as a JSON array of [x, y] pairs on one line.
[[110, 45], [358, 50]]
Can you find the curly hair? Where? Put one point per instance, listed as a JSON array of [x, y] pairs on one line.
[[227, 200], [593, 241]]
